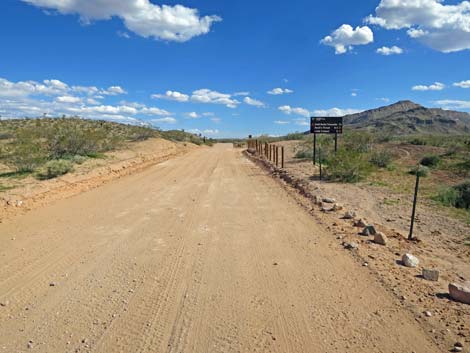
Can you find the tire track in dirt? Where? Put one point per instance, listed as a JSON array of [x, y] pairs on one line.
[[204, 253]]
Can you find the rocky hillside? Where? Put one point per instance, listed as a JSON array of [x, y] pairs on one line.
[[406, 117]]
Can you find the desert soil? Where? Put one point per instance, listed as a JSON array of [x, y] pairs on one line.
[[201, 253], [29, 193]]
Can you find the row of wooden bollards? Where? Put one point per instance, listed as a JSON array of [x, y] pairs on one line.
[[270, 151]]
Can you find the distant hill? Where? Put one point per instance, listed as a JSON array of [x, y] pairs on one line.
[[406, 117]]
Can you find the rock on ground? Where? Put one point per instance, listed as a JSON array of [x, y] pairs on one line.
[[329, 200], [430, 275], [460, 293], [351, 246], [349, 215], [360, 223], [410, 260], [380, 238], [369, 230]]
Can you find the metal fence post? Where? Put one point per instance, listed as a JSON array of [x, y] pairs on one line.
[[413, 213]]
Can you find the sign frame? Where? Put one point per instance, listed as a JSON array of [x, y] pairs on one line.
[[331, 125]]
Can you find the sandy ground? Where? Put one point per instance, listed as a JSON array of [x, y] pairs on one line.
[[30, 193], [440, 246], [201, 253]]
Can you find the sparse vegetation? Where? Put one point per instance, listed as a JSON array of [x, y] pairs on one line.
[[304, 154], [54, 168], [430, 161], [457, 196], [380, 158], [348, 166], [49, 147], [420, 170]]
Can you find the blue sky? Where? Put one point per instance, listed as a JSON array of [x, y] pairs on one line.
[[212, 66]]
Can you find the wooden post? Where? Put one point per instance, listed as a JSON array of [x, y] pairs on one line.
[[314, 149], [282, 157], [277, 156], [413, 213], [319, 159]]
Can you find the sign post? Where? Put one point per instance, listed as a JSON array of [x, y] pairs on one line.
[[415, 200], [332, 125]]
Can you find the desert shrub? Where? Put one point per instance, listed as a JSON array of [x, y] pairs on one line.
[[54, 169], [463, 199], [463, 167], [358, 141], [295, 136], [417, 141], [72, 139], [77, 159], [447, 196], [5, 136], [381, 158], [420, 170], [348, 166], [25, 153], [141, 133], [304, 154], [430, 161]]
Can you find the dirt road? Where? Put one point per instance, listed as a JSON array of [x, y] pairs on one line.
[[202, 253]]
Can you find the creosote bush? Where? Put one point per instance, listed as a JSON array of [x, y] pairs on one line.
[[54, 169], [348, 166], [457, 196], [304, 154], [380, 158], [25, 153], [420, 170], [430, 161]]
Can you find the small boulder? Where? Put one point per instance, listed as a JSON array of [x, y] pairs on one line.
[[351, 246], [380, 238], [360, 223], [329, 200], [369, 230], [349, 215], [430, 275], [460, 293], [410, 260], [337, 207]]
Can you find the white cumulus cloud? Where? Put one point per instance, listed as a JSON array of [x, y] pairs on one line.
[[68, 99], [442, 27], [254, 102], [462, 84], [453, 104], [436, 86], [173, 23], [335, 112], [287, 109], [213, 97], [55, 98], [390, 51], [193, 115], [165, 120], [346, 37], [172, 96], [278, 91], [113, 91]]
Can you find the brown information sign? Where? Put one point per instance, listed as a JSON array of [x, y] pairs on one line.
[[326, 125]]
